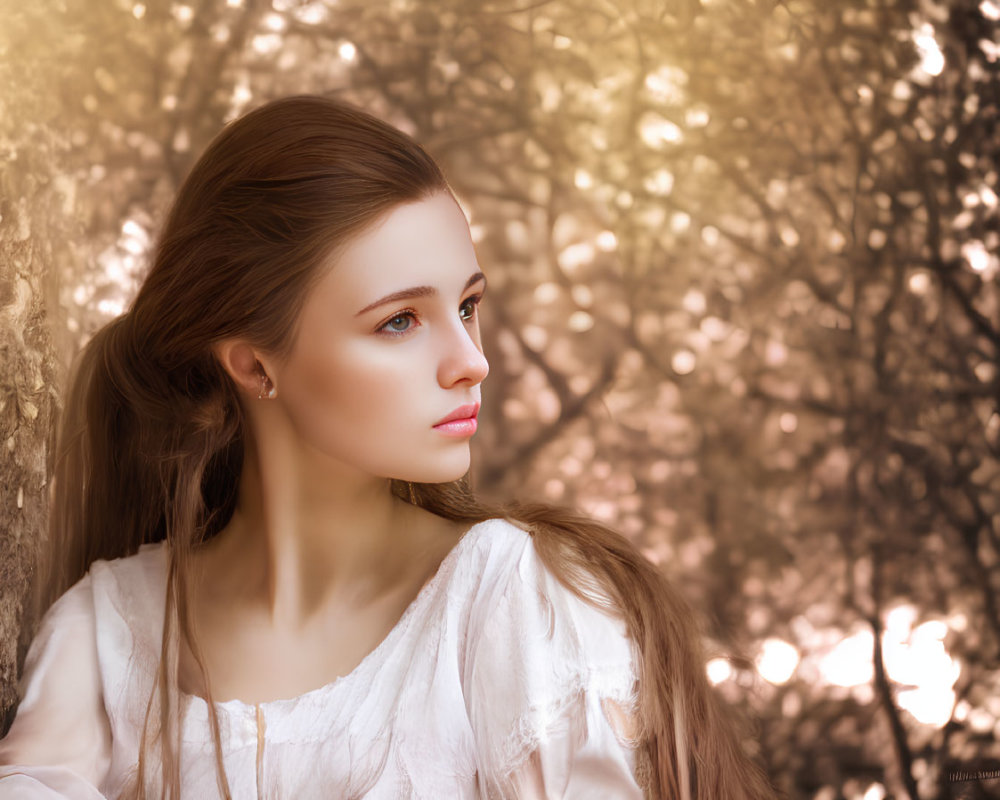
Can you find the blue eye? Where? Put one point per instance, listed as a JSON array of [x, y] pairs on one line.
[[401, 315], [388, 328]]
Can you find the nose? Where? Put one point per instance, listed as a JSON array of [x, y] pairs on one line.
[[462, 357]]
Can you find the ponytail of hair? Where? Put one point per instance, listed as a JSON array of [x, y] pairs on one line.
[[134, 447]]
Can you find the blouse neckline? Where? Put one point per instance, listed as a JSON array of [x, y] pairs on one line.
[[371, 659]]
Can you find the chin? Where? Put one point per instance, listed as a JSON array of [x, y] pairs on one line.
[[442, 473]]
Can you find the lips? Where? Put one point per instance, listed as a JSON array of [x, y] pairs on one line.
[[462, 412]]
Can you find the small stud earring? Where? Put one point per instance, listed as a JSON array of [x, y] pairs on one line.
[[264, 391]]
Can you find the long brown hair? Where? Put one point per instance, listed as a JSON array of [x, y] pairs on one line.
[[150, 446]]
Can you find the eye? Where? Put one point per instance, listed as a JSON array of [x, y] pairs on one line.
[[473, 304], [388, 327]]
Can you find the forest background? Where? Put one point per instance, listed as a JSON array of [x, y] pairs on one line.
[[744, 305]]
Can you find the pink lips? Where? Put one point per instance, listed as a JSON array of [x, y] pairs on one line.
[[460, 422]]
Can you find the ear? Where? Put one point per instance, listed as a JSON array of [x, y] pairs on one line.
[[244, 364]]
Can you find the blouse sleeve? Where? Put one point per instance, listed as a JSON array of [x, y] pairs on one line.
[[59, 745], [583, 758], [550, 684]]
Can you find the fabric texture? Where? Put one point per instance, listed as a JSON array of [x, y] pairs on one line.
[[493, 684]]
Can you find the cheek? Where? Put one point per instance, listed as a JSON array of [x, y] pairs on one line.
[[338, 397]]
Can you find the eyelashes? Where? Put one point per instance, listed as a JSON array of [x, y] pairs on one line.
[[409, 313]]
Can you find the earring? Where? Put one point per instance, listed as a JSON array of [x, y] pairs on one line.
[[264, 391]]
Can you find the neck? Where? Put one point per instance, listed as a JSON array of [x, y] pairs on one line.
[[305, 533]]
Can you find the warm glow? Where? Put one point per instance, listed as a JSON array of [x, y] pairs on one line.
[[135, 238], [715, 329], [874, 792], [930, 705], [575, 256], [914, 658], [979, 258], [275, 22], [683, 362], [931, 57], [919, 282], [607, 241], [917, 658], [718, 670], [788, 422], [266, 43], [775, 353], [680, 221], [241, 96], [311, 14], [580, 321], [656, 131], [696, 117], [659, 183], [535, 336], [546, 293], [667, 84], [347, 51], [694, 301], [183, 13], [777, 660], [850, 662]]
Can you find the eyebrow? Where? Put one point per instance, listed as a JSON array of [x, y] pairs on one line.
[[416, 291]]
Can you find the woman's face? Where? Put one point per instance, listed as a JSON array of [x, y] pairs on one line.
[[367, 380]]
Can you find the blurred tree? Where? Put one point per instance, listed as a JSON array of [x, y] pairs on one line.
[[743, 261], [35, 224]]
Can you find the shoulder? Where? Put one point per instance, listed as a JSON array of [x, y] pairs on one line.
[[129, 594], [513, 572], [149, 563], [526, 623], [73, 609], [133, 586], [491, 549], [534, 648], [119, 580], [502, 571]]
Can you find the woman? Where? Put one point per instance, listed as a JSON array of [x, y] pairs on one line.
[[273, 579]]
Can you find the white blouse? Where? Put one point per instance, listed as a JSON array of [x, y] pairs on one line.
[[496, 682]]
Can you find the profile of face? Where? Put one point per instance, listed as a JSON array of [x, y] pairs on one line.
[[375, 365]]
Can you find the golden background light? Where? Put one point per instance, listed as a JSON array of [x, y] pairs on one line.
[[743, 262]]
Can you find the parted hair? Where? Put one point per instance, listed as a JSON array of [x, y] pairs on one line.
[[151, 440]]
